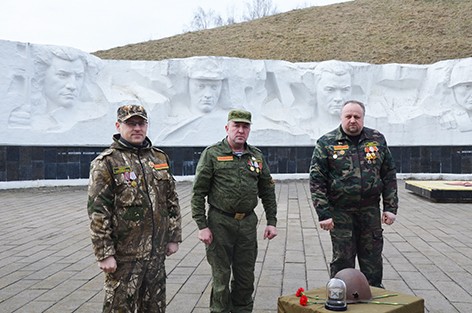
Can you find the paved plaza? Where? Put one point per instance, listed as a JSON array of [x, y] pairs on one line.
[[46, 262]]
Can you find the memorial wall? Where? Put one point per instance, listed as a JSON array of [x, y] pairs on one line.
[[58, 108]]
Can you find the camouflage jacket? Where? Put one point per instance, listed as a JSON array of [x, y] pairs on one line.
[[132, 202], [349, 176], [231, 183]]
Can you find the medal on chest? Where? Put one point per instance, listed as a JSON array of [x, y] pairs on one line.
[[371, 152], [339, 150], [254, 164]]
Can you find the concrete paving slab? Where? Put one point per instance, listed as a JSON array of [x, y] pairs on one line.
[[46, 261]]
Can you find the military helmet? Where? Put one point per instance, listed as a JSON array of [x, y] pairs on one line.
[[357, 286]]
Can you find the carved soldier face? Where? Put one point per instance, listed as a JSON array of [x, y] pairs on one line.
[[332, 91], [463, 95], [204, 93], [63, 82]]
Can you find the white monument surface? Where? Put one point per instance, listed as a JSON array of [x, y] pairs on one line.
[[61, 96]]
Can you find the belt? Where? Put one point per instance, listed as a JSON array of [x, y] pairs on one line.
[[236, 216]]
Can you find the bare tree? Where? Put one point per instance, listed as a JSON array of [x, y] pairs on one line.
[[258, 9], [205, 19], [208, 19]]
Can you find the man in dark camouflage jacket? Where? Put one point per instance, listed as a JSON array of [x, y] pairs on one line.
[[232, 175], [135, 216], [351, 169]]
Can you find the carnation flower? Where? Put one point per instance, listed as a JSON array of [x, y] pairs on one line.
[[303, 300]]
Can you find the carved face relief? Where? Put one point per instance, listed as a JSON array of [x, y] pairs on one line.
[[204, 94], [463, 95], [332, 91], [63, 81]]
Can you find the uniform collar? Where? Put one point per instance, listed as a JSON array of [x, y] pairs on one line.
[[227, 147], [121, 143]]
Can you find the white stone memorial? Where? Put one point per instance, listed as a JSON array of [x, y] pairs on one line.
[[60, 96]]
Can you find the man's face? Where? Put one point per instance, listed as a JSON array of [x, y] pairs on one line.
[[463, 95], [238, 133], [352, 119], [332, 91], [63, 81], [204, 93], [133, 130]]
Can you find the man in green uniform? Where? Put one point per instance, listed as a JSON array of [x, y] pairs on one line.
[[351, 170], [232, 175], [135, 217]]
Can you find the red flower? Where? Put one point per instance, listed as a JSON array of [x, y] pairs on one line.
[[300, 292], [303, 300]]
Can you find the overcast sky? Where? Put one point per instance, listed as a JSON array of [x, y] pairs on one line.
[[92, 25]]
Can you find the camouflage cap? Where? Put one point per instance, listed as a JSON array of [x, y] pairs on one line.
[[126, 111], [239, 116]]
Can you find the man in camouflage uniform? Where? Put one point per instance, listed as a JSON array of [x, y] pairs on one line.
[[135, 216], [351, 169], [232, 175]]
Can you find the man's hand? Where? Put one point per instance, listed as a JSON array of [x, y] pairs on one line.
[[270, 232], [171, 248], [205, 235], [327, 224], [108, 265], [388, 218]]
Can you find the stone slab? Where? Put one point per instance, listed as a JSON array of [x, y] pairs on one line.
[[442, 191]]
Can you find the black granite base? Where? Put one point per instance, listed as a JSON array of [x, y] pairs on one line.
[[19, 163]]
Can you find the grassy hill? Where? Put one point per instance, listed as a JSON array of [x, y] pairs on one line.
[[372, 31]]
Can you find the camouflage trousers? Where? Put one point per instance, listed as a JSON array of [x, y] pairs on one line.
[[358, 234], [138, 286], [232, 255]]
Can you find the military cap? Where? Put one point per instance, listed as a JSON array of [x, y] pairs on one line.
[[461, 72], [239, 116], [205, 68], [126, 111]]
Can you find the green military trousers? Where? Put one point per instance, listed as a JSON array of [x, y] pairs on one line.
[[232, 255], [358, 234], [138, 286]]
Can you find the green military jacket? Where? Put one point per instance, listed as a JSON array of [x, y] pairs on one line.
[[349, 176], [132, 202], [232, 184]]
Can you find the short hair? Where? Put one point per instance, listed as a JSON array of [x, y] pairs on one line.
[[356, 102], [46, 55]]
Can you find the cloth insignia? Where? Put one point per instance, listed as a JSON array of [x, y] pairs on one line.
[[121, 169], [158, 167], [225, 158]]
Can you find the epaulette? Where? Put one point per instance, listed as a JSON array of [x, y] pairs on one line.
[[254, 148], [105, 153], [216, 144], [157, 149]]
